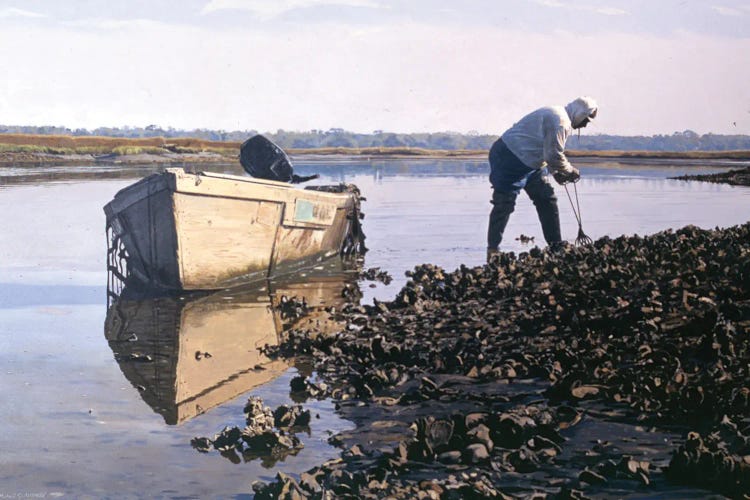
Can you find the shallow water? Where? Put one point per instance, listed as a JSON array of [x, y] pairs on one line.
[[72, 424]]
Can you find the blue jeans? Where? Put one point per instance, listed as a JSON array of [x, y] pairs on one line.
[[509, 176]]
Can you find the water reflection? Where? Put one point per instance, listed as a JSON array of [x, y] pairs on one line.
[[189, 353], [342, 169]]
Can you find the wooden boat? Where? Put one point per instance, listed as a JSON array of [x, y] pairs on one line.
[[205, 231]]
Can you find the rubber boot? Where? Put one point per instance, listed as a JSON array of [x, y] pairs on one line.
[[542, 194], [503, 204], [491, 253]]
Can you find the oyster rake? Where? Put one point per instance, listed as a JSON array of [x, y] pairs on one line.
[[581, 239]]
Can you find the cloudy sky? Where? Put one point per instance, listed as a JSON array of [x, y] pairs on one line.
[[655, 66]]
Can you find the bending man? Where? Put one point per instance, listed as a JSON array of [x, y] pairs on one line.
[[518, 157]]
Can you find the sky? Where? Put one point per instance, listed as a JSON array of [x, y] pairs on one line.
[[654, 66]]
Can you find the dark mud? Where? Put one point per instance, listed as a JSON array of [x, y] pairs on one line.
[[617, 369], [737, 177]]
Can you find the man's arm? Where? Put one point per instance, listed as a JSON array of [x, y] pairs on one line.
[[554, 155], [554, 149]]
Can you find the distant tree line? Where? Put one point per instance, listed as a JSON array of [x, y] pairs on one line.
[[336, 137]]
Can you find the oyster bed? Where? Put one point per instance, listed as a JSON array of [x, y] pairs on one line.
[[736, 177], [620, 368]]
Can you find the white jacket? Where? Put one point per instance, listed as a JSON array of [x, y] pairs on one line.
[[539, 138]]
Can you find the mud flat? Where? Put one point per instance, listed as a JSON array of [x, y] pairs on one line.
[[736, 177], [616, 369]]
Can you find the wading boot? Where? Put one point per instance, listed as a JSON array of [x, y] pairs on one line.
[[491, 252]]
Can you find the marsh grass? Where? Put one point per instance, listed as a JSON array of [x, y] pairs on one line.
[[137, 150], [73, 142], [23, 148], [223, 151], [81, 150], [67, 145], [234, 152], [62, 145], [35, 148]]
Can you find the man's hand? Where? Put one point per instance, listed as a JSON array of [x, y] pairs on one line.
[[564, 176]]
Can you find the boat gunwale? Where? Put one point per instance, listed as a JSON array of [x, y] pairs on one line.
[[179, 173], [169, 178]]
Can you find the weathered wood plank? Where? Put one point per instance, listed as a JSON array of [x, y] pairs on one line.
[[232, 186], [220, 239]]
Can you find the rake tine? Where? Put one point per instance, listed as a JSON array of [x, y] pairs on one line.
[[582, 239]]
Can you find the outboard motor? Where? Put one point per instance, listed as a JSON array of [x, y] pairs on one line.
[[263, 159]]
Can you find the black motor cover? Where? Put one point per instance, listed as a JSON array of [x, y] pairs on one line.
[[263, 159]]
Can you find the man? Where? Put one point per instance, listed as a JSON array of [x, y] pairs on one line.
[[518, 157]]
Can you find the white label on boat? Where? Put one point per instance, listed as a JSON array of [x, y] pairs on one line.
[[315, 213]]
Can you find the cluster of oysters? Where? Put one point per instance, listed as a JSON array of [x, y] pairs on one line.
[[477, 382], [268, 435]]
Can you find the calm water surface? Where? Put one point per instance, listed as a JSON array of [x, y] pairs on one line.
[[74, 422]]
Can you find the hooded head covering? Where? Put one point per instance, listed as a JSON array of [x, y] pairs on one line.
[[580, 109]]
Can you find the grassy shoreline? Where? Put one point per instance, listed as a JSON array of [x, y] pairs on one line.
[[22, 148]]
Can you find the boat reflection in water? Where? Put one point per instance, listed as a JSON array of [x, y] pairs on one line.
[[189, 353]]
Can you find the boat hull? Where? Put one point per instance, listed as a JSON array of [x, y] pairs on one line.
[[206, 231]]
